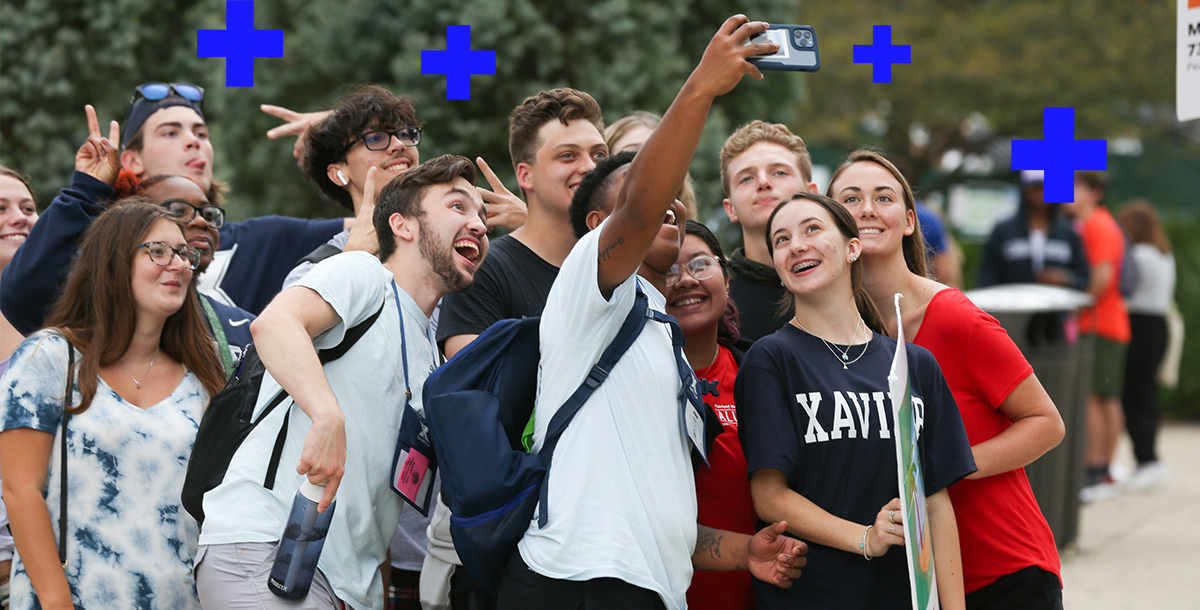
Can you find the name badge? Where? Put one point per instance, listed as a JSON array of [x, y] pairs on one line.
[[414, 465], [693, 417]]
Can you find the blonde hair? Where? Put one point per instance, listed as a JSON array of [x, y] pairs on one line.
[[649, 120], [759, 131]]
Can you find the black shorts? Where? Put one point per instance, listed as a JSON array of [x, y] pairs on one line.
[[523, 589], [1030, 589]]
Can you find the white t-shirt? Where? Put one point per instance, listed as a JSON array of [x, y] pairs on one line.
[[369, 384], [1156, 281], [622, 497]]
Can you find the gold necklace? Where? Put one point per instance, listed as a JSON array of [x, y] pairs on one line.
[[135, 381]]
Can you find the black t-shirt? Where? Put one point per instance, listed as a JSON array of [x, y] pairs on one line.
[[513, 282], [844, 461], [756, 290]]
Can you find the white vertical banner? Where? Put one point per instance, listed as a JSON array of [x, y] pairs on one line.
[[1187, 61], [918, 547]]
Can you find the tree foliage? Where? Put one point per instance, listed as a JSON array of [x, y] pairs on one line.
[[982, 72], [59, 55]]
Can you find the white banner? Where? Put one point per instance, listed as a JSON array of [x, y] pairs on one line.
[[1187, 61]]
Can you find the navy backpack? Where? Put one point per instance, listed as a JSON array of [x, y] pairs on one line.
[[476, 407]]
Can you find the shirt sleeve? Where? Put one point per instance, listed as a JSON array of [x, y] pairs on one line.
[[1105, 244], [767, 427], [351, 283], [1003, 369], [38, 269], [945, 450], [32, 390], [576, 308]]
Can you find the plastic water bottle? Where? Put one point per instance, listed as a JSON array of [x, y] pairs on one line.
[[300, 547]]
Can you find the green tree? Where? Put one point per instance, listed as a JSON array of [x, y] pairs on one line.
[[629, 55]]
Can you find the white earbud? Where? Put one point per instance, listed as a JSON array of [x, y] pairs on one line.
[[342, 177]]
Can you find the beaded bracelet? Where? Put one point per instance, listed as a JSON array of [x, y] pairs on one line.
[[863, 543]]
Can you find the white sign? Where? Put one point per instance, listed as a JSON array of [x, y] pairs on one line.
[[1187, 62]]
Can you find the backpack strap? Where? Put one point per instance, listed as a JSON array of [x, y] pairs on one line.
[[319, 254], [630, 329], [326, 356], [62, 475]]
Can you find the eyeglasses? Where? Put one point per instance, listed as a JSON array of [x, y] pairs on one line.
[[159, 91], [380, 140], [701, 268], [213, 215], [161, 254]]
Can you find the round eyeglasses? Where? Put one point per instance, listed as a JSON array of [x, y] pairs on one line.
[[700, 267], [161, 254], [212, 214], [380, 140]]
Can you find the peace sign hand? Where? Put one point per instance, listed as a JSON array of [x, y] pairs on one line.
[[98, 157], [362, 230], [504, 209]]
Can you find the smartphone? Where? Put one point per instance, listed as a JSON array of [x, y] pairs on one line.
[[797, 49]]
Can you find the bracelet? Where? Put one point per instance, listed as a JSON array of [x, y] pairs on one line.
[[863, 543]]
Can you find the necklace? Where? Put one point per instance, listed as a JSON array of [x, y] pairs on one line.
[[139, 383], [842, 355]]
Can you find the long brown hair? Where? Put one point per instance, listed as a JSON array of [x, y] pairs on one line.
[[849, 229], [913, 245], [96, 310], [1140, 220]]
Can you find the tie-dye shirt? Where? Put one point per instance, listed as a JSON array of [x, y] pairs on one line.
[[129, 542]]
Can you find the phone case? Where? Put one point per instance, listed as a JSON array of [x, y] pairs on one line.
[[797, 49]]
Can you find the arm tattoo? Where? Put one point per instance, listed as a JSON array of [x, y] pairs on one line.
[[605, 252], [709, 541]]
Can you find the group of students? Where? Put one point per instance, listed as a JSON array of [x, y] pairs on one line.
[[1125, 265], [800, 475]]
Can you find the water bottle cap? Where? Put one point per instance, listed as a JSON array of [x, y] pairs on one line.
[[312, 492]]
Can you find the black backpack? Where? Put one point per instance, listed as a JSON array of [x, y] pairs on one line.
[[227, 422]]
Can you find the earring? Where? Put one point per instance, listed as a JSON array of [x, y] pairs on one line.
[[853, 258]]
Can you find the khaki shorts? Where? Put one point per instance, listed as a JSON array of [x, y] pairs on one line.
[[1108, 368], [234, 577]]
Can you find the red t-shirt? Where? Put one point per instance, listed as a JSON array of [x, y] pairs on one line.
[[1000, 527], [723, 495], [1104, 242]]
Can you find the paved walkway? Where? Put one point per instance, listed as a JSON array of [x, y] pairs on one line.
[[1142, 549]]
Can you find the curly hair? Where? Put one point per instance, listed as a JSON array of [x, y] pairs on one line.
[[366, 108]]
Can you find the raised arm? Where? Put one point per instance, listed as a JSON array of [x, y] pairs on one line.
[[658, 171], [31, 281]]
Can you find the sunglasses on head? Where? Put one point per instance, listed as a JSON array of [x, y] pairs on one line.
[[161, 91]]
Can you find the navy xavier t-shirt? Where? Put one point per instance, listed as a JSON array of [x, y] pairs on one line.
[[830, 431]]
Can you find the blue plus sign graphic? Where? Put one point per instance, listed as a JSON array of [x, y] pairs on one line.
[[239, 43], [458, 62], [1060, 155], [881, 53]]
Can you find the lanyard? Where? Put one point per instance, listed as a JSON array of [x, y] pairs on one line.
[[403, 343], [219, 334]]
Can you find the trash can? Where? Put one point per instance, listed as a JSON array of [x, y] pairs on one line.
[[1043, 321]]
